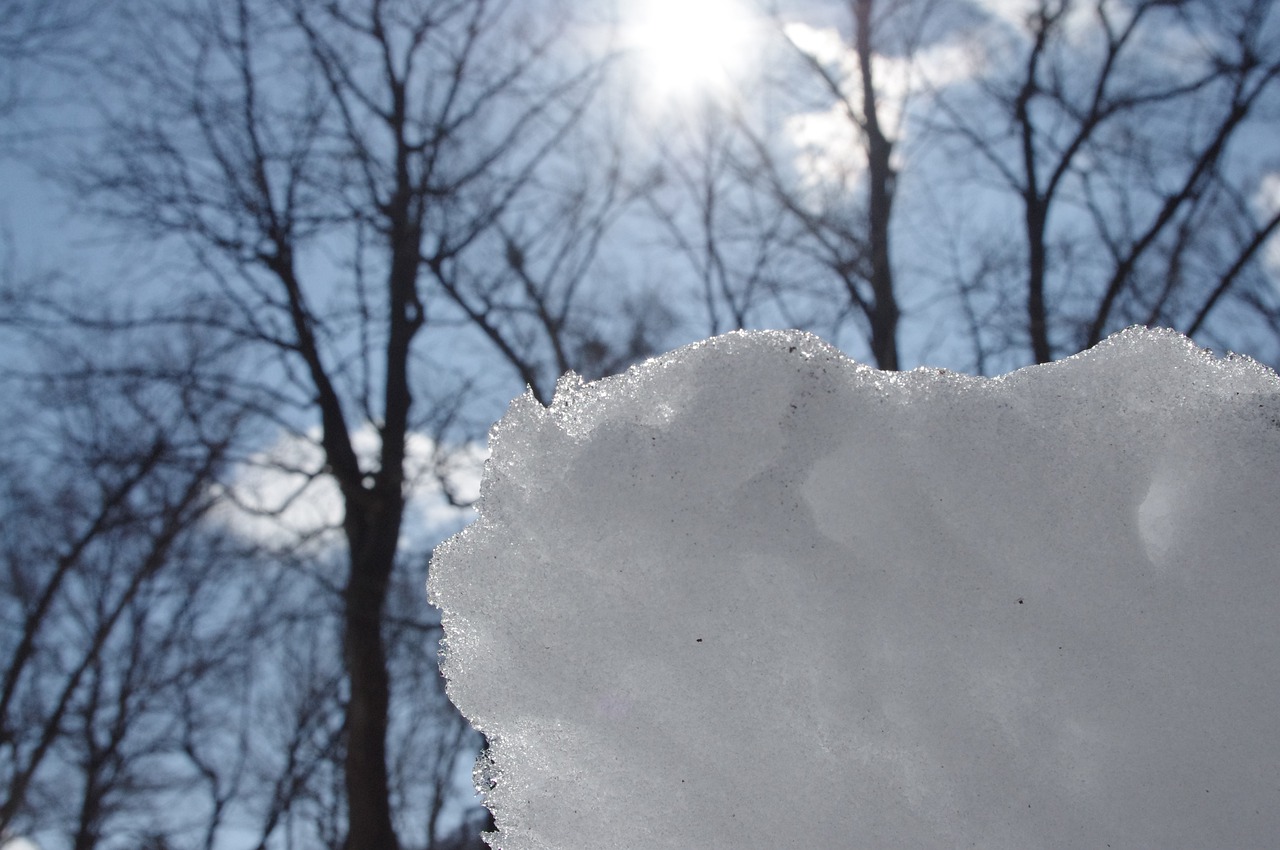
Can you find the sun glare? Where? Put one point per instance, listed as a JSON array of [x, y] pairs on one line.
[[690, 47]]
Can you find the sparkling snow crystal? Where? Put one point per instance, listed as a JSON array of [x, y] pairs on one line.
[[754, 595]]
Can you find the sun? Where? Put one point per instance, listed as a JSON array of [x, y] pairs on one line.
[[690, 47]]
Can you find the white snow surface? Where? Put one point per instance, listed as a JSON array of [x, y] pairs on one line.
[[752, 594]]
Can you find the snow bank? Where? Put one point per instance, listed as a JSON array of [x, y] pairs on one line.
[[754, 595]]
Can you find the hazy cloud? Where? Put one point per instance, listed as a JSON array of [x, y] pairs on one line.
[[282, 497]]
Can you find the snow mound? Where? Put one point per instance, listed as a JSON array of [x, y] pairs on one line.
[[754, 595]]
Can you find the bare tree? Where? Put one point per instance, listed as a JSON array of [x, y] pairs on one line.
[[209, 701], [730, 234], [112, 584], [784, 233], [344, 175], [1113, 124], [882, 308], [40, 40], [532, 285], [1128, 134], [848, 221]]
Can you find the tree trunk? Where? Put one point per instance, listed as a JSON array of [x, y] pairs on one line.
[[373, 528], [1037, 265], [885, 312]]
